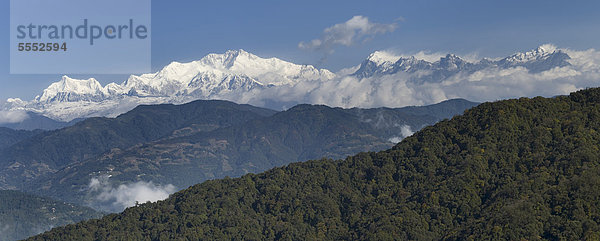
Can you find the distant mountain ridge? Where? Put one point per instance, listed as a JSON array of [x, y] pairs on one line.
[[52, 150], [185, 144], [9, 137], [35, 121], [240, 76], [541, 59], [300, 133]]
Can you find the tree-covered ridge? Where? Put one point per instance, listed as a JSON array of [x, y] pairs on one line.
[[35, 121], [53, 150], [9, 137], [23, 215], [301, 133], [515, 169]]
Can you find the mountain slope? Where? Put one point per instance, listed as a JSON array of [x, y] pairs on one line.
[[510, 170], [9, 137], [53, 150], [36, 121], [300, 133], [23, 215]]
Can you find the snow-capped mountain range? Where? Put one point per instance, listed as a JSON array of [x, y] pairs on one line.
[[538, 60], [239, 76], [212, 75]]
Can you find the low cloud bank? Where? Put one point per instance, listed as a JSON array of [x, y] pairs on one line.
[[406, 89], [12, 116], [111, 198]]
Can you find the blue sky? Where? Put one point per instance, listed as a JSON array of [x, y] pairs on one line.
[[188, 30]]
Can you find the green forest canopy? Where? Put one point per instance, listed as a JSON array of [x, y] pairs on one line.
[[513, 169]]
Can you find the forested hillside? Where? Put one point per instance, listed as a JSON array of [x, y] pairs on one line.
[[53, 150], [511, 170], [23, 215], [35, 121], [9, 137]]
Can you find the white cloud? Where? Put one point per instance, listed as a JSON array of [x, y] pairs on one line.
[[427, 56], [347, 71], [348, 91], [355, 30], [430, 56], [115, 199], [405, 131], [586, 61], [395, 139], [12, 116]]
